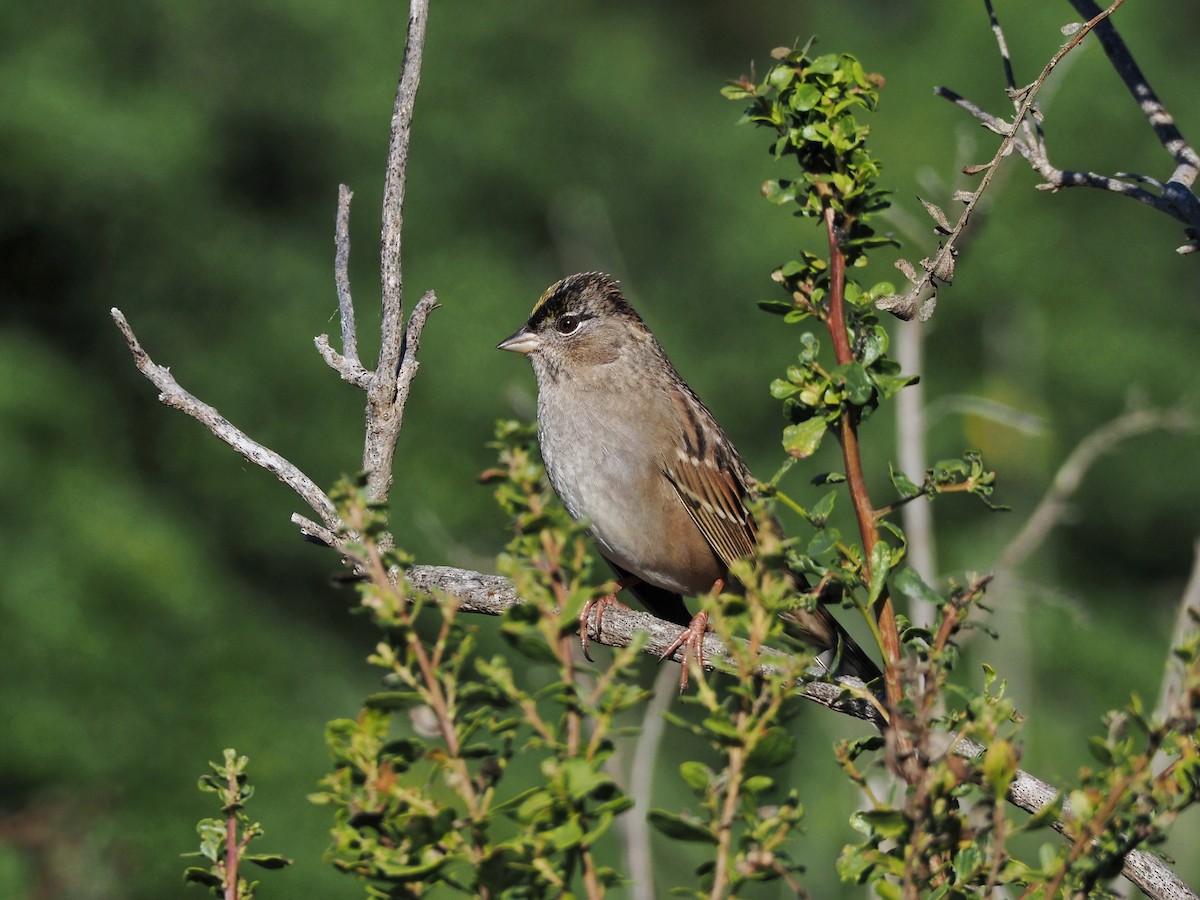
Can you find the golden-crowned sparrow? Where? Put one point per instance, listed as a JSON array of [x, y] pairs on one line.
[[631, 449]]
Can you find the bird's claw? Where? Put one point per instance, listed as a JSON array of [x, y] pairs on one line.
[[692, 640], [599, 604]]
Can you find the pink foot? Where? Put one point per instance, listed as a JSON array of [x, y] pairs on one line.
[[599, 604], [692, 638]]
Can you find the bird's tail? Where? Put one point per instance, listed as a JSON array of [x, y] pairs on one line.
[[839, 652]]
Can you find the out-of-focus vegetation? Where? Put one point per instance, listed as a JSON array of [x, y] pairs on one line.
[[182, 163]]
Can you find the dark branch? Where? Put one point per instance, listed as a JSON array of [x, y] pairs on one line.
[[1175, 196], [1186, 160]]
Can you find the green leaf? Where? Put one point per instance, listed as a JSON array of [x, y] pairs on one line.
[[390, 701], [881, 565], [859, 389], [828, 478], [810, 347], [823, 541], [268, 861], [802, 440], [912, 586], [886, 823], [565, 836], [967, 861], [778, 307], [196, 875], [582, 780], [721, 728], [696, 775], [1100, 750], [805, 97], [820, 511], [775, 747], [890, 385], [679, 828], [901, 482], [534, 804], [999, 766], [757, 785], [781, 389]]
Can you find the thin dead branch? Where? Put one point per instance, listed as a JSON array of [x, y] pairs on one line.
[[173, 395], [1055, 503], [921, 298], [389, 385], [1173, 196], [384, 419]]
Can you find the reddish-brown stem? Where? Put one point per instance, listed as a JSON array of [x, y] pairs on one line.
[[232, 851], [885, 613]]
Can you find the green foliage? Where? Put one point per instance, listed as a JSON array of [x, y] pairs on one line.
[[810, 102], [435, 806], [951, 833], [162, 160], [751, 821], [224, 841], [954, 751]]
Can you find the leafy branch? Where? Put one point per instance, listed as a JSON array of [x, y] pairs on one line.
[[224, 841]]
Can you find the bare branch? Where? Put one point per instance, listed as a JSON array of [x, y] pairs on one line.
[[1175, 198], [412, 342], [1054, 504], [318, 534], [354, 373], [1186, 623], [346, 363], [494, 595], [938, 269], [635, 829], [174, 396], [383, 423], [911, 425], [1002, 46], [1186, 159], [341, 275]]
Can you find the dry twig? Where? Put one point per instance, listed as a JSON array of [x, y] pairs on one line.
[[1173, 196]]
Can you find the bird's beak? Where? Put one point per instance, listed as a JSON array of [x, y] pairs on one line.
[[523, 341]]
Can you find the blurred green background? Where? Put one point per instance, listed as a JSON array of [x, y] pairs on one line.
[[181, 161]]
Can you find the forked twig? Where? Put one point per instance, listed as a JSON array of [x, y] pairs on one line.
[[1173, 196], [389, 385], [939, 269]]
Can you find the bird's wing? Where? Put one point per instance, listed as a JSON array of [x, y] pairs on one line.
[[712, 482], [714, 485]]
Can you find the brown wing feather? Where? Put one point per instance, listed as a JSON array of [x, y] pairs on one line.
[[712, 482]]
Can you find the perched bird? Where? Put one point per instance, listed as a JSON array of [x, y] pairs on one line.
[[629, 448]]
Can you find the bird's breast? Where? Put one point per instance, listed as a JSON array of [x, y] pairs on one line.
[[600, 457]]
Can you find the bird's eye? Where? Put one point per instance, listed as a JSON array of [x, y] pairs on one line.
[[567, 324]]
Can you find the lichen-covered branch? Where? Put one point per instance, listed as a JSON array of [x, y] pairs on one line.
[[174, 396], [476, 592], [383, 418]]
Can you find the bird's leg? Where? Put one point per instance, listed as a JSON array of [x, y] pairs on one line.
[[692, 638], [600, 604]]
